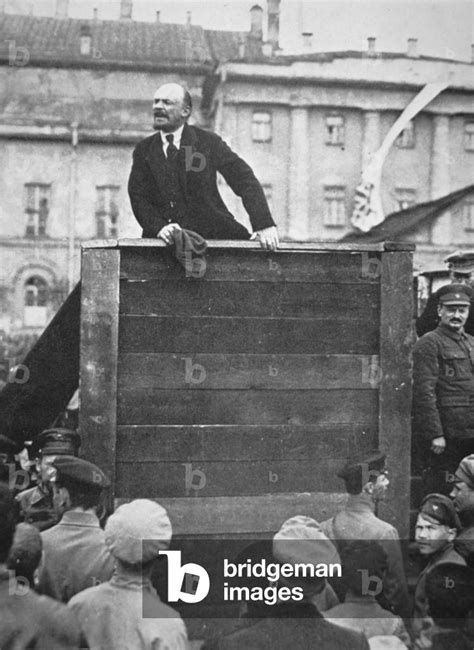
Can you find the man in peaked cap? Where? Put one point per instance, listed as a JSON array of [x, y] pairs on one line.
[[126, 612], [75, 553], [366, 483], [437, 526], [36, 503], [463, 500], [443, 389]]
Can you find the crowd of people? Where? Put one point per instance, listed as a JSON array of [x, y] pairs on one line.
[[72, 577]]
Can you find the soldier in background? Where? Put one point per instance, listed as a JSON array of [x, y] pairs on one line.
[[443, 390], [36, 503]]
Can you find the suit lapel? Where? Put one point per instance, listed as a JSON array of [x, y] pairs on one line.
[[156, 160], [186, 151]]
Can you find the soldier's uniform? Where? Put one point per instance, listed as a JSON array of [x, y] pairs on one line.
[[443, 394], [36, 503]]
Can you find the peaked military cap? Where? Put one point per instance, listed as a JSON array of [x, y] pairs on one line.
[[371, 463], [58, 441], [440, 508], [79, 470], [455, 294]]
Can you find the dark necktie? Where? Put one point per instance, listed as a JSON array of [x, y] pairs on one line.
[[172, 151]]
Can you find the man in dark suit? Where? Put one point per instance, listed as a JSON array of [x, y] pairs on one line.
[[173, 184]]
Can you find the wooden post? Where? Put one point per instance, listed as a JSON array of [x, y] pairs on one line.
[[99, 345], [396, 340]]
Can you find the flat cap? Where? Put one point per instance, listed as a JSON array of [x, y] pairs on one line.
[[454, 294], [79, 470], [9, 446], [138, 531], [301, 540], [367, 465], [58, 441], [465, 471], [25, 552], [440, 508]]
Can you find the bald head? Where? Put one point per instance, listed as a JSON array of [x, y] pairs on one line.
[[172, 107]]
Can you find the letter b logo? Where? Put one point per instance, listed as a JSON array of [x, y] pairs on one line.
[[193, 577]]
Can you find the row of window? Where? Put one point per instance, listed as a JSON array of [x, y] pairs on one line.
[[262, 131], [38, 199], [107, 212]]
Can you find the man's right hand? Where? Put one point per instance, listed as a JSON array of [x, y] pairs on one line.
[[438, 445], [166, 233]]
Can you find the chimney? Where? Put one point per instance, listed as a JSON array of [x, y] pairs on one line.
[[371, 46], [126, 7], [157, 19], [96, 13], [412, 48], [307, 40], [256, 22], [188, 18], [273, 34], [62, 7]]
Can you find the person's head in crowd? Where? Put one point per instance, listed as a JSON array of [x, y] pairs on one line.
[[136, 533], [256, 552], [8, 449], [25, 552], [7, 521], [364, 564], [52, 443], [366, 474], [463, 487], [78, 484], [450, 593], [300, 540], [437, 524], [454, 301]]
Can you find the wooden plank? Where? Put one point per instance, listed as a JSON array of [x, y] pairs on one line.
[[244, 442], [294, 247], [326, 335], [99, 348], [227, 478], [396, 340], [181, 298], [222, 265], [244, 515], [138, 406], [245, 371]]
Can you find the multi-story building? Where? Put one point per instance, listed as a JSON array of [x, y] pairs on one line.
[[76, 97], [309, 124]]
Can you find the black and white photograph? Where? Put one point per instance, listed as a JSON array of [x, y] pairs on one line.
[[236, 335]]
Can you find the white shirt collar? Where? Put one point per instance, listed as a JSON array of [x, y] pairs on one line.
[[177, 137]]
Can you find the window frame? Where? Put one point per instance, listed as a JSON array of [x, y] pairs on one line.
[[334, 195], [337, 137], [107, 211], [262, 130]]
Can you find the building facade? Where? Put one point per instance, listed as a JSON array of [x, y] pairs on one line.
[[76, 98]]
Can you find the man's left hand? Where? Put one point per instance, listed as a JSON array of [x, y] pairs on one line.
[[268, 238]]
